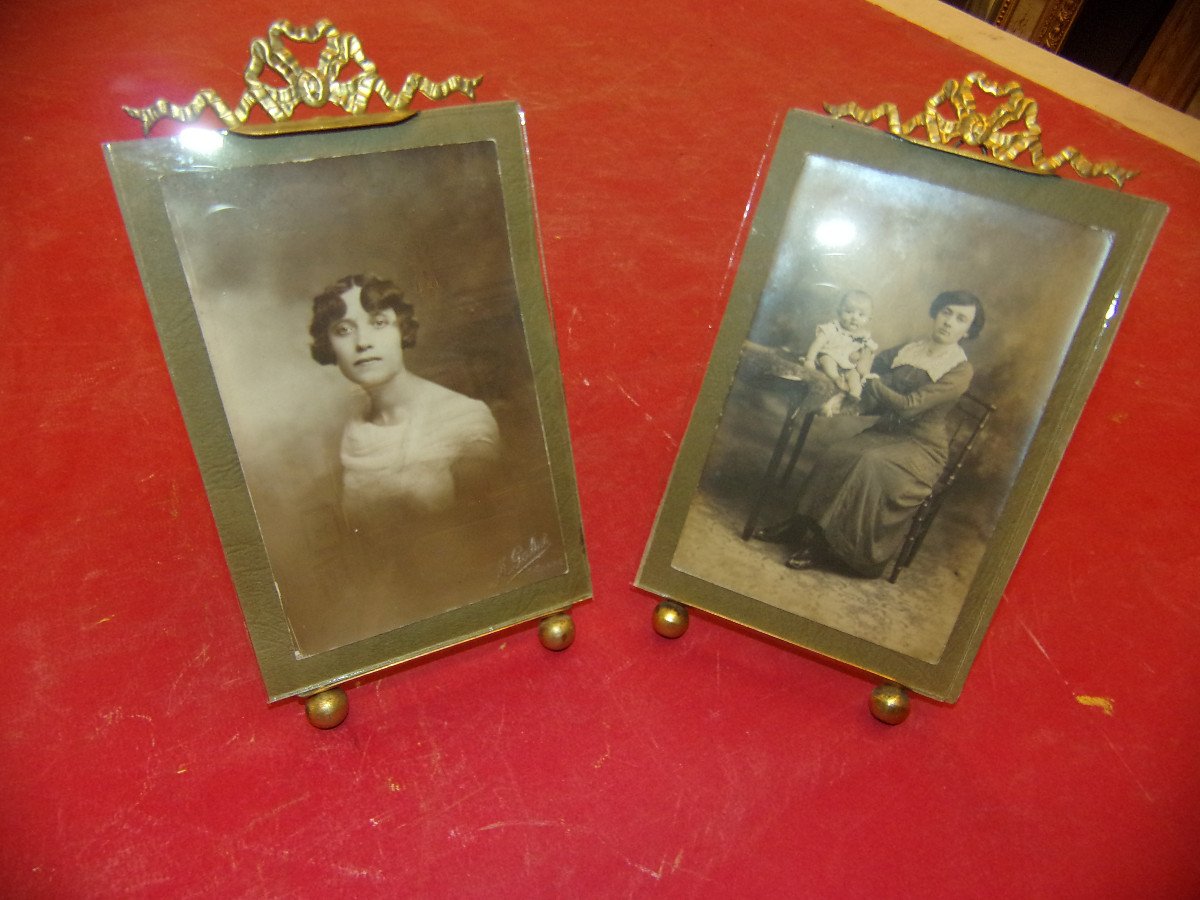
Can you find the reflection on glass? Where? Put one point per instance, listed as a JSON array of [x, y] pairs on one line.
[[201, 140], [835, 233]]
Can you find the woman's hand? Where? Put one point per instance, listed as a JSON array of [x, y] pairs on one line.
[[951, 385], [870, 395], [864, 359]]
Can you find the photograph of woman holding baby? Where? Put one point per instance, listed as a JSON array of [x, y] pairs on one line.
[[856, 505], [865, 259]]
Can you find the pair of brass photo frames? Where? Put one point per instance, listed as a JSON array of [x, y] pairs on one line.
[[227, 227]]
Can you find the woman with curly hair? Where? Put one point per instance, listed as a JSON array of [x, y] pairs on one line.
[[417, 443]]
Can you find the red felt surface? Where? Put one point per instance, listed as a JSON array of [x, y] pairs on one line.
[[137, 753]]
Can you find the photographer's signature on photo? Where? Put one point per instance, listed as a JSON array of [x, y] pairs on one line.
[[525, 555]]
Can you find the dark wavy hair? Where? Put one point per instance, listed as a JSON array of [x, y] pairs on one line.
[[377, 293], [960, 298]]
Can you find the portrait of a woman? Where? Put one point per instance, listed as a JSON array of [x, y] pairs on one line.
[[417, 447], [855, 507], [395, 473]]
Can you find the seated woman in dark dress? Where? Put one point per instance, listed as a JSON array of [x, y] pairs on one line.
[[855, 507]]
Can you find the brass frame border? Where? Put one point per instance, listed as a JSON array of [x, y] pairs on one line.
[[1134, 223], [136, 167]]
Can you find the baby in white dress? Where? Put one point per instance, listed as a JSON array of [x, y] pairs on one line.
[[843, 349]]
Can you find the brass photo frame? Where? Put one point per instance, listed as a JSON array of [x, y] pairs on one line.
[[258, 256], [764, 520]]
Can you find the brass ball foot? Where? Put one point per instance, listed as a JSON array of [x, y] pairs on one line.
[[557, 632], [670, 619], [327, 709], [890, 704]]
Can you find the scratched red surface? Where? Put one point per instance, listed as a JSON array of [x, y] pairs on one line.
[[138, 755]]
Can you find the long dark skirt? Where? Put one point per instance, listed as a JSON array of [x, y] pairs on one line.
[[863, 492]]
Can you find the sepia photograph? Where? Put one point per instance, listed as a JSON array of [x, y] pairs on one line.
[[888, 338], [908, 344], [361, 317], [362, 351]]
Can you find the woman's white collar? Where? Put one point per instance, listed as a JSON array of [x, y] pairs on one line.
[[932, 358]]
